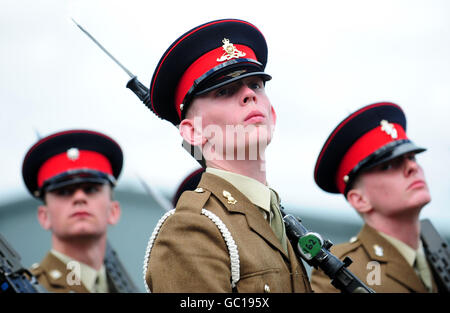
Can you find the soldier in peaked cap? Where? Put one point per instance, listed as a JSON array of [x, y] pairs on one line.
[[73, 172], [370, 160], [227, 234]]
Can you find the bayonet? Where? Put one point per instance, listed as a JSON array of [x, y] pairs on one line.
[[133, 84], [165, 204], [103, 49]]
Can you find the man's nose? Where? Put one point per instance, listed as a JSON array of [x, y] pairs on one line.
[[79, 195], [410, 166], [248, 95]]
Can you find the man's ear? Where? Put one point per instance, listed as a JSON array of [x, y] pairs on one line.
[[191, 132], [114, 213], [44, 217], [359, 201]]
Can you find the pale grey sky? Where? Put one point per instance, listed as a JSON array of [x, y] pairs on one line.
[[327, 59]]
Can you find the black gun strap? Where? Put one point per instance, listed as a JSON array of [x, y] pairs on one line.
[[437, 253], [118, 278]]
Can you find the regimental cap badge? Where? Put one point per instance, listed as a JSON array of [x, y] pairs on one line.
[[73, 154], [231, 52], [389, 129]]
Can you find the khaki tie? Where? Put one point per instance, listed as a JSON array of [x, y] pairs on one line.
[[96, 288], [422, 269], [276, 222], [100, 285]]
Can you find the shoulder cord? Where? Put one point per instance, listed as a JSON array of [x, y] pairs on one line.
[[231, 245], [150, 244]]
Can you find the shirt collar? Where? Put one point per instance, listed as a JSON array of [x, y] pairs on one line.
[[256, 192]]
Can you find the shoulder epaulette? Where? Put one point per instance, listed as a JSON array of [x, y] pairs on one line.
[[343, 249], [195, 201]]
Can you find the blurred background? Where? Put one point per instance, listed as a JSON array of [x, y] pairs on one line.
[[327, 59]]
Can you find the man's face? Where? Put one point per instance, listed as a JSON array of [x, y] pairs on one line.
[[234, 120], [81, 210], [396, 186]]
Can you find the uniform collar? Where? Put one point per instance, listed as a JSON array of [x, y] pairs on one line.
[[256, 192], [405, 250], [87, 273], [382, 250], [235, 201]]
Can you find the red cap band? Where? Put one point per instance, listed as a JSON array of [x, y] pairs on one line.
[[63, 162], [203, 64], [362, 148]]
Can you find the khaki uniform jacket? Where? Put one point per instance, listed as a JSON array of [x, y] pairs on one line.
[[190, 254], [52, 274], [396, 275]]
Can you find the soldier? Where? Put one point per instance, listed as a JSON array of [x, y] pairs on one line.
[[226, 235], [370, 160], [73, 173]]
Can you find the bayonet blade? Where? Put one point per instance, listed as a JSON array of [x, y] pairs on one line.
[[103, 49], [161, 200]]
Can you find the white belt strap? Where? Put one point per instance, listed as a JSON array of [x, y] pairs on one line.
[[229, 241]]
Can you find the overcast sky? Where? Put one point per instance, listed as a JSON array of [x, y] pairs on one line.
[[327, 59]]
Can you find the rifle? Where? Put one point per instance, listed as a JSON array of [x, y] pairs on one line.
[[437, 253], [120, 280], [14, 278], [314, 250]]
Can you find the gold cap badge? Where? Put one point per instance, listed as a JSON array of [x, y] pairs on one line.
[[231, 52]]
